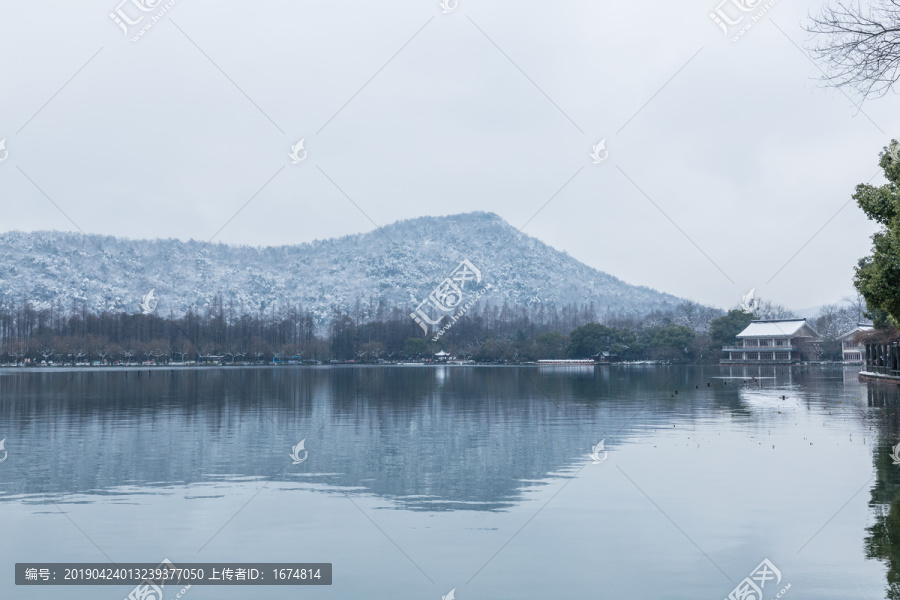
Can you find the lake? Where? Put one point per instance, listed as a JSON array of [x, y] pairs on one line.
[[420, 480]]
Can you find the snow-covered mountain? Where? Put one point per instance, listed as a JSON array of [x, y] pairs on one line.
[[400, 263]]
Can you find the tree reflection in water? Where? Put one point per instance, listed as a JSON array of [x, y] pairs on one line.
[[883, 539]]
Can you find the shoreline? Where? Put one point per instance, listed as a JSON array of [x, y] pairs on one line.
[[194, 366], [870, 377]]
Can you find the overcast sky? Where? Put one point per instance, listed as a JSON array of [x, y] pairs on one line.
[[725, 158]]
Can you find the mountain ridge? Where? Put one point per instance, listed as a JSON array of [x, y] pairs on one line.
[[398, 263]]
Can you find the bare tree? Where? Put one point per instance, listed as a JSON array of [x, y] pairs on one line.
[[766, 309], [827, 322], [857, 304], [860, 46], [696, 316]]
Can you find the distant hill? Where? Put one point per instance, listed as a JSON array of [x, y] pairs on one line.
[[399, 263]]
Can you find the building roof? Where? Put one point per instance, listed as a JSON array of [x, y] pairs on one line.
[[775, 328], [879, 336], [853, 332]]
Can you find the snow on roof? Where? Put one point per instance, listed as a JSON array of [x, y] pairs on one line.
[[855, 331], [774, 328]]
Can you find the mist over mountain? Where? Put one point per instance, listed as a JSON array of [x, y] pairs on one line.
[[400, 263]]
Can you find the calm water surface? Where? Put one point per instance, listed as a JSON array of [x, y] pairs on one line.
[[424, 479]]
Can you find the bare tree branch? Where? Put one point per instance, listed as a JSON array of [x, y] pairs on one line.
[[859, 47]]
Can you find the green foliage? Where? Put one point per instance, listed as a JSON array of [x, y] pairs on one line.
[[493, 350], [53, 335], [678, 337], [588, 340], [416, 347], [670, 341], [883, 541], [878, 276], [724, 330], [880, 319], [549, 345]]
